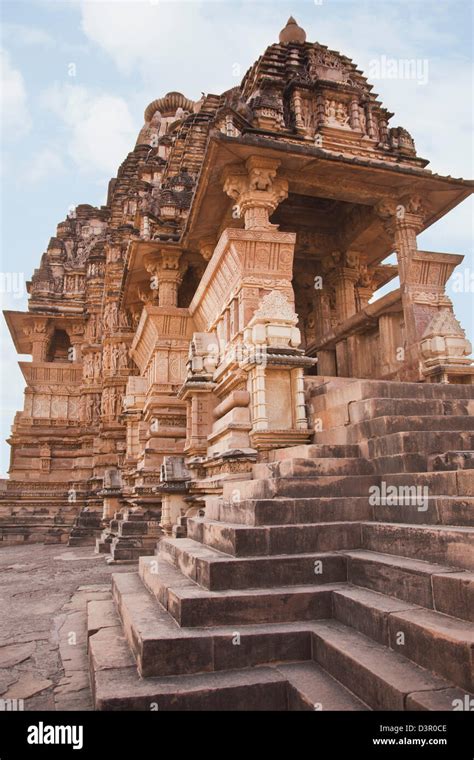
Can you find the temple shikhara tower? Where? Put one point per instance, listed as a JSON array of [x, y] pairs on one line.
[[214, 389]]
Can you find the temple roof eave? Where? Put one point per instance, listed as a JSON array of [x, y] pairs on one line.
[[352, 179], [18, 320]]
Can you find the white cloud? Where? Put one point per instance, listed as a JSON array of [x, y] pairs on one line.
[[44, 165], [99, 128], [14, 113], [180, 45], [27, 35]]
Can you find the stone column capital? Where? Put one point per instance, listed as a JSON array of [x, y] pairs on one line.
[[162, 259], [406, 212], [256, 189], [167, 269]]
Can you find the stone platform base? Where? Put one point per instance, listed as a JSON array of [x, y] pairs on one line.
[[20, 524]]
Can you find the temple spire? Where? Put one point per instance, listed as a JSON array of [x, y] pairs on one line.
[[292, 32]]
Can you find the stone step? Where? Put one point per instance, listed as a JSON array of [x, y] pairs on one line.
[[417, 486], [395, 463], [451, 460], [367, 611], [161, 648], [291, 511], [381, 677], [451, 545], [358, 411], [370, 408], [453, 594], [433, 640], [311, 688], [248, 541], [216, 571], [435, 510], [312, 451], [380, 426], [329, 485], [193, 606], [296, 686], [308, 468], [384, 679], [439, 642], [130, 549], [102, 544], [391, 463], [121, 687], [425, 584], [446, 510], [132, 528], [418, 442], [354, 390]]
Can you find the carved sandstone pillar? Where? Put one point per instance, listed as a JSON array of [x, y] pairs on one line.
[[167, 270], [343, 274], [40, 334], [343, 281], [403, 221]]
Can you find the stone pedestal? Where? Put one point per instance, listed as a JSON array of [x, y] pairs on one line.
[[445, 351], [174, 482]]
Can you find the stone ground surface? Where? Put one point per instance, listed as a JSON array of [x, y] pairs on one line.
[[44, 592]]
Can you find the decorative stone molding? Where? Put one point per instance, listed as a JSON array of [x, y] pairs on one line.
[[203, 355], [273, 324], [444, 341]]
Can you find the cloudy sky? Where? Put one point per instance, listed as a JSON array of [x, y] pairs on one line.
[[77, 75]]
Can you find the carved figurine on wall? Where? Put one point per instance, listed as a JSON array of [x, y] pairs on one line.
[[89, 408], [97, 365], [114, 358], [123, 357]]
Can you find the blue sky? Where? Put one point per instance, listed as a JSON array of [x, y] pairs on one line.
[[76, 77]]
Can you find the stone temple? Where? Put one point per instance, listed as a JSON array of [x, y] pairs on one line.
[[215, 392]]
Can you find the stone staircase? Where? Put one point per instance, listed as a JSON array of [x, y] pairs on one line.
[[130, 534], [87, 527], [300, 590]]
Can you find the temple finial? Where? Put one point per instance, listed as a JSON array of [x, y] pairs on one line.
[[292, 32]]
